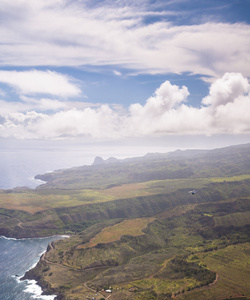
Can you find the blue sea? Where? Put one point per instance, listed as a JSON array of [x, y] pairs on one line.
[[17, 257], [19, 163]]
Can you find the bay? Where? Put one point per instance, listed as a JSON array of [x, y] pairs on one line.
[[17, 257]]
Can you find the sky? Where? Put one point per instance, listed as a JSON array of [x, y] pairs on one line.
[[122, 72]]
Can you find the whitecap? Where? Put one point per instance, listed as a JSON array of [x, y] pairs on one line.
[[36, 238], [7, 238], [36, 291]]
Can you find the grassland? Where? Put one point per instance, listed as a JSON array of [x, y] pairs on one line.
[[237, 219], [232, 265], [114, 233], [33, 201], [135, 227], [179, 253]]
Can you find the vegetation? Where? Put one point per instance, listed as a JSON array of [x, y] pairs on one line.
[[158, 227], [179, 255]]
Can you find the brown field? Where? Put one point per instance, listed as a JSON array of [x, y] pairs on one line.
[[128, 190], [113, 233], [36, 200]]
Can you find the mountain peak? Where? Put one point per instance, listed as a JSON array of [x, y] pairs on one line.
[[98, 161]]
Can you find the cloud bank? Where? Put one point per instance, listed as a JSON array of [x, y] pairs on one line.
[[75, 33], [167, 112]]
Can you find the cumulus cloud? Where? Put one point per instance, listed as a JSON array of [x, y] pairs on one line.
[[101, 123], [73, 33], [227, 89], [167, 96], [40, 82], [225, 110], [167, 112]]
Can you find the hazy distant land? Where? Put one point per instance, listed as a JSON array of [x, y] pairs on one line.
[[153, 227]]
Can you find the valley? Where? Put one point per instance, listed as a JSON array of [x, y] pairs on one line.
[[164, 226]]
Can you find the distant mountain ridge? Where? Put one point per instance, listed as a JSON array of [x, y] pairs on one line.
[[229, 161], [100, 161], [178, 222]]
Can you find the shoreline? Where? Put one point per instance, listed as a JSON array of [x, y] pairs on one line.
[[32, 238], [45, 291], [31, 283], [33, 287]]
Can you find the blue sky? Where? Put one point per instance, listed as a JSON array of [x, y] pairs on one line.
[[117, 71]]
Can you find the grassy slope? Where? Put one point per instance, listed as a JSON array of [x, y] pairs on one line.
[[232, 265], [149, 175], [179, 251], [16, 223], [180, 231], [226, 162], [33, 201]]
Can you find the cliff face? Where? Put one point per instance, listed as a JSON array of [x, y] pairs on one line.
[[37, 274]]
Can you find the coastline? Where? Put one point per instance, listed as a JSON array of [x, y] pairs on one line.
[[33, 284], [32, 276], [45, 290], [33, 287], [36, 286], [32, 238]]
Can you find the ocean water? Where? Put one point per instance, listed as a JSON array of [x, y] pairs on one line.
[[17, 257], [18, 167], [20, 164]]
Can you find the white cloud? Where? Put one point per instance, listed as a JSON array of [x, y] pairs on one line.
[[227, 89], [117, 73], [225, 110], [20, 125], [165, 113], [167, 96], [36, 33], [40, 82], [43, 105], [101, 123], [98, 123]]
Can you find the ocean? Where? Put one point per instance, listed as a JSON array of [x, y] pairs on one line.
[[17, 257], [18, 166]]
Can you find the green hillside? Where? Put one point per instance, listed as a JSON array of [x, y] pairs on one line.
[[178, 254], [158, 227], [180, 164]]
